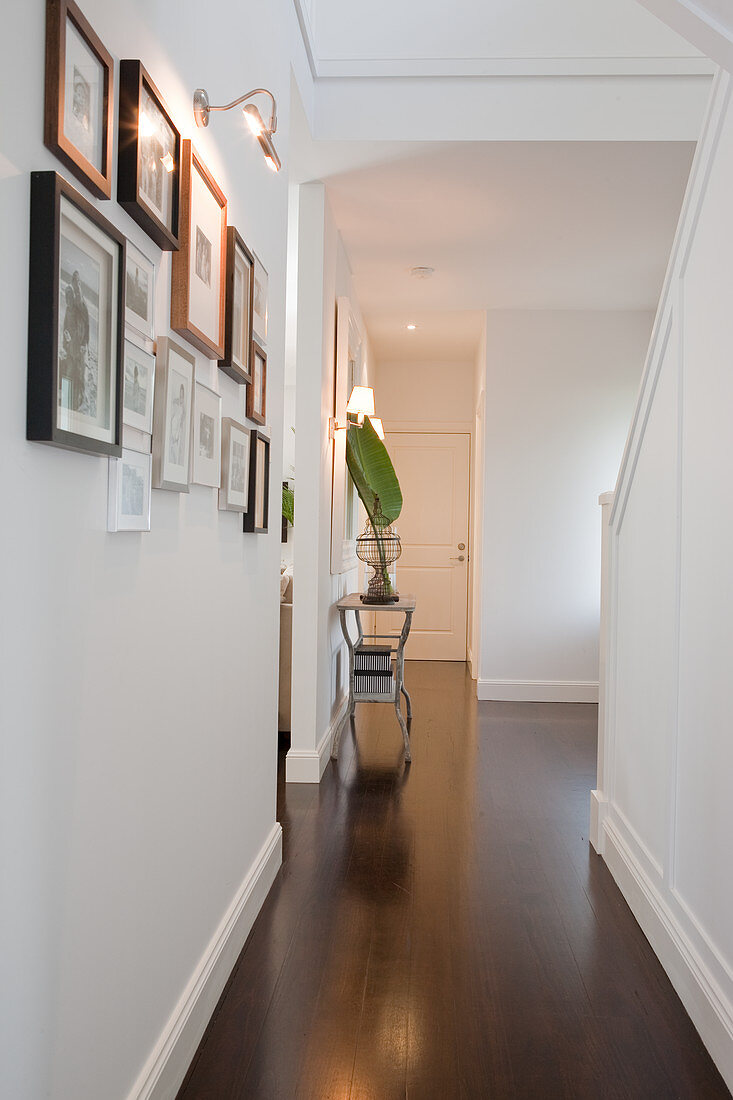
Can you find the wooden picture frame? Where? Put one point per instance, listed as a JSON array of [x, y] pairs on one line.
[[238, 299], [175, 379], [76, 321], [236, 446], [78, 124], [257, 390], [256, 516], [198, 273], [148, 157]]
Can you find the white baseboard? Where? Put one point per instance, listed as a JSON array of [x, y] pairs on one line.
[[163, 1073], [710, 1009], [598, 811], [538, 691], [303, 766]]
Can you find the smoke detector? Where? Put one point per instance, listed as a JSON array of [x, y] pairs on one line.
[[422, 272]]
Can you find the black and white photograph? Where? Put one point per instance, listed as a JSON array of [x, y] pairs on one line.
[[237, 361], [256, 404], [75, 361], [207, 438], [198, 270], [140, 292], [79, 95], [139, 387], [259, 303], [255, 518], [203, 256], [128, 497], [173, 416], [149, 157], [157, 157], [235, 453]]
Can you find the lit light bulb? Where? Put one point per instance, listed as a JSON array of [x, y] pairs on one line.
[[271, 163], [253, 119], [411, 328]]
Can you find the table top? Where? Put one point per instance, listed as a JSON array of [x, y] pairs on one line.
[[353, 602]]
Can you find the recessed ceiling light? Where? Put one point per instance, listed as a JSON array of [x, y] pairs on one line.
[[422, 272], [411, 328]]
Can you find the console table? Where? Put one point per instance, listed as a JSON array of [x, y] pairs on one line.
[[404, 606]]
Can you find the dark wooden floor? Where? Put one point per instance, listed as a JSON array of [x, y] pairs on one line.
[[445, 931]]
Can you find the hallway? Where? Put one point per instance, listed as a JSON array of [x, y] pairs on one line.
[[446, 931]]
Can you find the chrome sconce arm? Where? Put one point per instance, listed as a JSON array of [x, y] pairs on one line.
[[202, 109]]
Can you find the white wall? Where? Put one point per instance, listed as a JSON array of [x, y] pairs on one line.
[[424, 392], [663, 804], [560, 388], [320, 669], [139, 690]]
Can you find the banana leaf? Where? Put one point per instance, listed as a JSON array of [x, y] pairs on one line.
[[372, 471]]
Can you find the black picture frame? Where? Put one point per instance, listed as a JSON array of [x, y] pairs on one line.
[[259, 459], [134, 80], [59, 14], [227, 364], [44, 381]]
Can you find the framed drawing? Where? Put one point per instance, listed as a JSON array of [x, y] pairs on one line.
[[344, 498], [206, 450], [259, 303], [148, 158], [199, 268], [128, 498], [140, 292], [78, 109], [255, 518], [235, 451], [239, 289], [173, 411], [257, 390], [137, 400], [75, 321]]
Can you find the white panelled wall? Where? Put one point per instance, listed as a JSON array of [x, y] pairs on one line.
[[661, 815]]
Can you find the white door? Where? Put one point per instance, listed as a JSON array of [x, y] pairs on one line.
[[433, 470]]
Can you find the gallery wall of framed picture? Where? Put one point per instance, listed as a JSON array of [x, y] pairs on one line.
[[79, 97], [102, 377], [198, 272]]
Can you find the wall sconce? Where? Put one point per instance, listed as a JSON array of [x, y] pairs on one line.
[[360, 404], [202, 109]]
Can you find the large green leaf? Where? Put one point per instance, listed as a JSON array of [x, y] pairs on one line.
[[372, 471]]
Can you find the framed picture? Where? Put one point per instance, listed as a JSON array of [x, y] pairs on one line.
[[235, 452], [137, 399], [172, 417], [206, 464], [257, 390], [259, 303], [199, 268], [239, 292], [255, 518], [149, 157], [140, 292], [128, 498], [75, 321], [79, 97]]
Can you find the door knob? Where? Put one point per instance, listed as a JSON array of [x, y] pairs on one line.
[[461, 546], [461, 557]]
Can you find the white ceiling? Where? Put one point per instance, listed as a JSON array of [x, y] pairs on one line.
[[506, 225], [408, 30]]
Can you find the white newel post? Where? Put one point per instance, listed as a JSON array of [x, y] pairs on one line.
[[598, 797]]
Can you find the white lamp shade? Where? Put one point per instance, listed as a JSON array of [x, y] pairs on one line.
[[361, 401]]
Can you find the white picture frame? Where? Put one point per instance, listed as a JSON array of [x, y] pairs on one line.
[[139, 292], [138, 387], [129, 491], [206, 438], [259, 302], [175, 372], [235, 458]]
